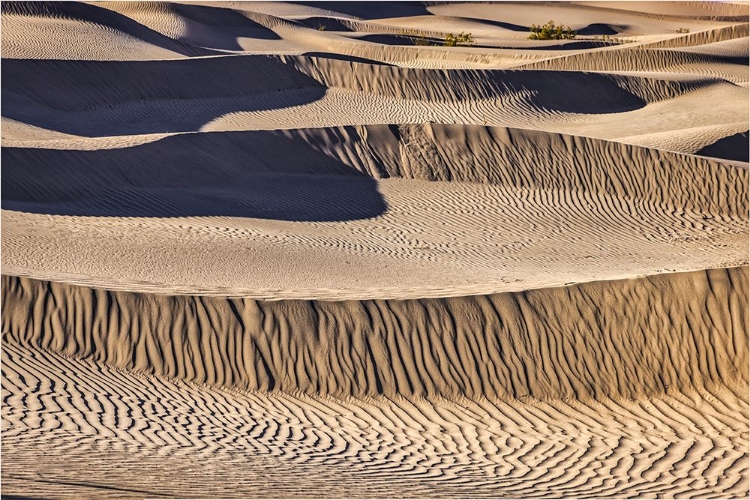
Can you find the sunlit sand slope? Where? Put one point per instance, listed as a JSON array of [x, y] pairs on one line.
[[526, 394], [631, 339]]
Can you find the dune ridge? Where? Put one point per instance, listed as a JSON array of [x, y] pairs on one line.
[[121, 81], [433, 152], [353, 212], [587, 341], [316, 92]]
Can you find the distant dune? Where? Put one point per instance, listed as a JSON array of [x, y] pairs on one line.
[[306, 250]]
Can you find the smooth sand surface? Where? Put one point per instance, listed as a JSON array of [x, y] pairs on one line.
[[278, 250]]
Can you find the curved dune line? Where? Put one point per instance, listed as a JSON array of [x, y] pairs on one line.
[[492, 155], [133, 99], [132, 123], [216, 26], [449, 85], [23, 20], [614, 339], [122, 81], [654, 56], [704, 37]]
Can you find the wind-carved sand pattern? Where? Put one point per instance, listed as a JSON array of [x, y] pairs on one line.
[[279, 250]]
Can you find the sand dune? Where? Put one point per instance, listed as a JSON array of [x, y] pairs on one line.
[[133, 102], [565, 419], [283, 250], [571, 343], [357, 208], [103, 33], [467, 154]]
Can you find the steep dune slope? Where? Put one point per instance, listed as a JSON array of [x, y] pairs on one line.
[[486, 155], [537, 392], [382, 209], [134, 99], [590, 341]]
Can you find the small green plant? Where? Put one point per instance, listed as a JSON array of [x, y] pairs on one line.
[[550, 31], [683, 30], [462, 38], [418, 37], [422, 41], [321, 27]]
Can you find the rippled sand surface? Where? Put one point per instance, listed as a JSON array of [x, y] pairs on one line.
[[279, 250]]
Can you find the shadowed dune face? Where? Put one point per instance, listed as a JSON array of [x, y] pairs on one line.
[[597, 29], [325, 23], [734, 147], [98, 98], [374, 10], [242, 173], [268, 249], [90, 83], [201, 26], [225, 176], [261, 196]]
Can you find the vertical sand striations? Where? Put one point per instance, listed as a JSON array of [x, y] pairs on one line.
[[508, 157], [633, 338]]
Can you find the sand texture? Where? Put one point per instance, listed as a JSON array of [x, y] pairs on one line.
[[280, 250]]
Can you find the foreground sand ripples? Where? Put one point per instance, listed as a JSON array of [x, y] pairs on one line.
[[277, 250], [667, 446]]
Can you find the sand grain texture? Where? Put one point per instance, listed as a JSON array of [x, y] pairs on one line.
[[279, 250]]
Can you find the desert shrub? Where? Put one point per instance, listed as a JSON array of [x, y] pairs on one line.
[[321, 27], [462, 38], [683, 30], [550, 31], [417, 37]]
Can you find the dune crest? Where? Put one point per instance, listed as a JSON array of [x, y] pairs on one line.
[[590, 341]]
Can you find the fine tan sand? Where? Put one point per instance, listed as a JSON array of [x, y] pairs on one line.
[[266, 249]]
